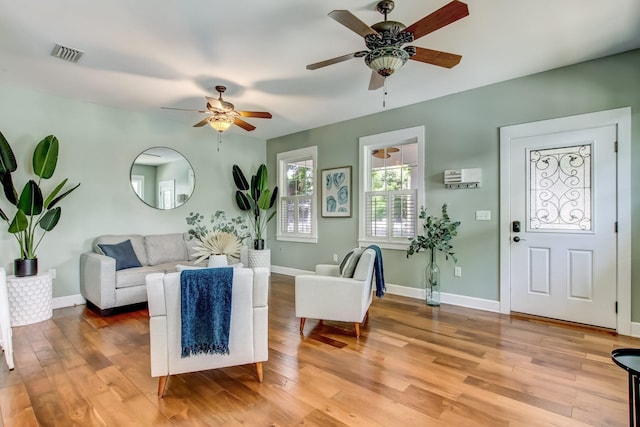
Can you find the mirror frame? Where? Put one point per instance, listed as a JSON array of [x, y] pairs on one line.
[[173, 185]]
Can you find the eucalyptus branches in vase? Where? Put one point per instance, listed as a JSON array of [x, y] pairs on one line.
[[436, 236]]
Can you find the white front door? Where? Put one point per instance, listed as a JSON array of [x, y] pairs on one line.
[[562, 225], [166, 194]]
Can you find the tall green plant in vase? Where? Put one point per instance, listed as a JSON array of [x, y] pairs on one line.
[[437, 233], [35, 214], [257, 200]]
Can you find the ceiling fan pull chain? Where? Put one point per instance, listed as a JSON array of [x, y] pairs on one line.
[[219, 140], [384, 94]]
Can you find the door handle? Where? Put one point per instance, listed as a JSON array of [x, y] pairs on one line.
[[517, 239]]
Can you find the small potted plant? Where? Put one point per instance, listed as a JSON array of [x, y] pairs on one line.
[[35, 215], [437, 235], [257, 200]]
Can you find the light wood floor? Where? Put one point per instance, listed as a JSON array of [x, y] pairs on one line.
[[412, 366]]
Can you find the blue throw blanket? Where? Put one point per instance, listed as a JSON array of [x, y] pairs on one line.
[[378, 271], [206, 310]]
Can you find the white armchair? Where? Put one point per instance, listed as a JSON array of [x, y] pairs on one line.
[[248, 334], [6, 339], [327, 296]]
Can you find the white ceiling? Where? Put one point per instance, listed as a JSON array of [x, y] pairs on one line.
[[141, 55]]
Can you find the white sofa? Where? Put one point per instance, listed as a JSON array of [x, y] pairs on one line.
[[106, 289], [248, 335]]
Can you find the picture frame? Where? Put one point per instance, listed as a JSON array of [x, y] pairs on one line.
[[336, 192]]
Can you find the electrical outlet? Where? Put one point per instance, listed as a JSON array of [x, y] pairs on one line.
[[483, 215], [335, 257], [457, 271], [52, 272]]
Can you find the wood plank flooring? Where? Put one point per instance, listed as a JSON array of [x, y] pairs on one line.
[[412, 366]]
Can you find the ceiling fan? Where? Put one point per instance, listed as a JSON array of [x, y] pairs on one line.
[[385, 39], [384, 153], [222, 114]]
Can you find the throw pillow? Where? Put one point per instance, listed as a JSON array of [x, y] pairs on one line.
[[349, 263], [162, 248], [123, 253]]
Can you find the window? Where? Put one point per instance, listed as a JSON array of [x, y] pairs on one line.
[[391, 187], [137, 182], [297, 210]]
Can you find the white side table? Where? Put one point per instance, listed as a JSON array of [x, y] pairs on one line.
[[30, 298], [260, 258]]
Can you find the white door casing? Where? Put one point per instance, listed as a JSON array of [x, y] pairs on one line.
[[552, 273], [166, 194]]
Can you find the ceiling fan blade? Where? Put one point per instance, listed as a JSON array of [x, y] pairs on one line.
[[436, 57], [331, 61], [352, 22], [447, 14], [244, 125], [258, 114], [203, 122], [183, 109], [376, 82]]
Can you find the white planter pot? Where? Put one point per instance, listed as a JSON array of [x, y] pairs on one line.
[[218, 261], [30, 299], [260, 258]]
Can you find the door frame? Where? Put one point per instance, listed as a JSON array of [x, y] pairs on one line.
[[621, 117]]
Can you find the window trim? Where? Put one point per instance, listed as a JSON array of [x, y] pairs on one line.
[[377, 141], [282, 160]]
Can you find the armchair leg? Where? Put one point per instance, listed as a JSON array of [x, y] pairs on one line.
[[357, 325], [162, 384], [366, 318], [302, 320], [259, 371]]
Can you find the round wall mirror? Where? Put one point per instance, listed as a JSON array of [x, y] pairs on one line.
[[162, 178]]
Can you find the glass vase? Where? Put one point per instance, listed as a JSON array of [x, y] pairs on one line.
[[432, 285]]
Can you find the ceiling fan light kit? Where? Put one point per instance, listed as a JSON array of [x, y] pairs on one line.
[[386, 60], [221, 122], [385, 39]]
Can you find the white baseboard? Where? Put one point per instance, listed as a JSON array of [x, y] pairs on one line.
[[289, 271], [67, 301], [635, 329], [406, 291]]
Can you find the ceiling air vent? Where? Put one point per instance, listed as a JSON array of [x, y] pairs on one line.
[[67, 53]]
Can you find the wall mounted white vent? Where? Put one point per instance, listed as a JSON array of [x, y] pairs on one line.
[[463, 178], [67, 53]]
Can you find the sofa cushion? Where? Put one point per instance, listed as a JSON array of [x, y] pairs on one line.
[[137, 242], [123, 254], [136, 276], [162, 248], [191, 243]]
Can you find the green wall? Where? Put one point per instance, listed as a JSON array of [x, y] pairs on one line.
[[462, 131], [97, 147]]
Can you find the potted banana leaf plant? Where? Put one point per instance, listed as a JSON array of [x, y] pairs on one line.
[[257, 200], [35, 214]]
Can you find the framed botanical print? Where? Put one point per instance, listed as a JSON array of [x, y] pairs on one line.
[[336, 192]]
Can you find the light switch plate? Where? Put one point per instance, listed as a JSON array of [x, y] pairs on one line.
[[457, 271], [483, 215]]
